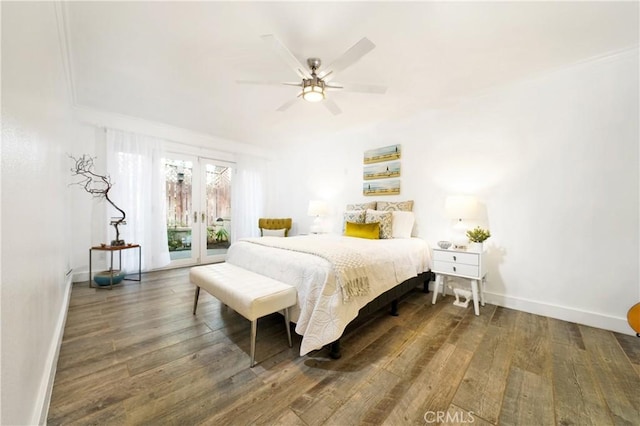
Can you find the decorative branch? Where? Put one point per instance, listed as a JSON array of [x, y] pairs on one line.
[[98, 186]]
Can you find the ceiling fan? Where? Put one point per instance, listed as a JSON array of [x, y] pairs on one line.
[[316, 83]]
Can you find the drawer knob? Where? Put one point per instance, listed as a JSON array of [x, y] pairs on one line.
[[454, 269], [454, 258]]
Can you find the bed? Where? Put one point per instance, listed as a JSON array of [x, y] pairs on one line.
[[324, 309]]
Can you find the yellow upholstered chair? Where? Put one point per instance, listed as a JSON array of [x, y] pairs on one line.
[[280, 223]]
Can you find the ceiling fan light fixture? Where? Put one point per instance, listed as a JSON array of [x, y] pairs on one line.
[[313, 90]]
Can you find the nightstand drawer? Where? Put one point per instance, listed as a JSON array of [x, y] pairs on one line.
[[455, 268], [456, 257]]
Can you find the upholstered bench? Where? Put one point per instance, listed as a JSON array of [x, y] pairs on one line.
[[249, 294]]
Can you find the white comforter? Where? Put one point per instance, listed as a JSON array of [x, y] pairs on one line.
[[320, 314]]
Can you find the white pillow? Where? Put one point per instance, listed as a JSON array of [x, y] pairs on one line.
[[402, 224], [273, 232]]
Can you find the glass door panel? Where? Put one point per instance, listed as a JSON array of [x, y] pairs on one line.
[[216, 210], [180, 189], [198, 195]]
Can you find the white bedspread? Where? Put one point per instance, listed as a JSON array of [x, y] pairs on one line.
[[320, 314]]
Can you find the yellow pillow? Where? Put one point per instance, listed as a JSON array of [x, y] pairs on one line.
[[363, 230]]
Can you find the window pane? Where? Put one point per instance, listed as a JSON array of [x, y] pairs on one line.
[[218, 208]]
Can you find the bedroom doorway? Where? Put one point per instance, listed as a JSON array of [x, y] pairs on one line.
[[198, 192]]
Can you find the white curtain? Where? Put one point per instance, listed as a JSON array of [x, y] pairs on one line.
[[135, 164], [247, 199]]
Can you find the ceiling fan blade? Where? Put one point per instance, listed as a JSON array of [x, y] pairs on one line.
[[333, 86], [268, 83], [332, 106], [349, 58], [359, 88], [285, 106], [286, 55]]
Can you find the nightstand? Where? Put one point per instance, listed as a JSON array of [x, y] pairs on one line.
[[460, 264]]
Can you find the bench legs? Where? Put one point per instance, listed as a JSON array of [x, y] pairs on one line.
[[286, 323], [254, 332], [195, 301], [254, 327]]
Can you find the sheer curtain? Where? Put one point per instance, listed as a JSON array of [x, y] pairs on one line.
[[135, 164], [247, 199]]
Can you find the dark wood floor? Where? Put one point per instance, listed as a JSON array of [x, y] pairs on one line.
[[137, 355]]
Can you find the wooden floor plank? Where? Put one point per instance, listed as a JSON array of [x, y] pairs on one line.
[[364, 406], [431, 390], [137, 355], [103, 393], [456, 416], [631, 347], [314, 406], [472, 328], [287, 418], [483, 384], [578, 399], [504, 317], [615, 375], [164, 355], [191, 398], [70, 391], [528, 399], [567, 333], [532, 344], [418, 353], [270, 399]]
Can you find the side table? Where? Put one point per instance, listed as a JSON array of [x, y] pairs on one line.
[[111, 250], [460, 264]]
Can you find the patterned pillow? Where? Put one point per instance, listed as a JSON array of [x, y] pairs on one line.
[[362, 206], [389, 206], [384, 218], [355, 216]]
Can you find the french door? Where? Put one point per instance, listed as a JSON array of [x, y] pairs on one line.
[[198, 192]]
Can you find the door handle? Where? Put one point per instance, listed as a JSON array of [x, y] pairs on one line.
[[195, 217], [202, 219]]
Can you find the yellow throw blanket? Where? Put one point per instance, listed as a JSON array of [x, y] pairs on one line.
[[349, 266]]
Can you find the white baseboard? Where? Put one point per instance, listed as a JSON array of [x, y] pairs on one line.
[[46, 387], [565, 313]]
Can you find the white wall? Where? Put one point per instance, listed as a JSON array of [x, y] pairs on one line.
[[555, 163], [36, 232]]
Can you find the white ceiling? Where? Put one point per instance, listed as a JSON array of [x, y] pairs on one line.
[[177, 62]]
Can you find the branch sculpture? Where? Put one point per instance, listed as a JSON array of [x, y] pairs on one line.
[[98, 186]]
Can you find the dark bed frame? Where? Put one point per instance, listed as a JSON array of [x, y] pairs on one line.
[[391, 296]]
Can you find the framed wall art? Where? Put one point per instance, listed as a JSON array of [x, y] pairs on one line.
[[386, 153], [382, 171], [381, 187]]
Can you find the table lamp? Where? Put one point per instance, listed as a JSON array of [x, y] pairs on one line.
[[317, 208], [459, 208]]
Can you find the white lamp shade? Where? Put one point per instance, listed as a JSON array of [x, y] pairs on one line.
[[461, 207], [317, 208]]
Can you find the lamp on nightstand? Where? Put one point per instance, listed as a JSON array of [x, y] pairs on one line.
[[459, 208], [317, 208]]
